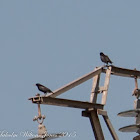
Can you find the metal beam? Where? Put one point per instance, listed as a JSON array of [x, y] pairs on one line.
[[124, 72], [87, 113], [102, 112], [110, 127], [95, 123], [114, 71], [76, 82], [96, 126], [95, 88], [106, 85], [108, 123], [65, 103]]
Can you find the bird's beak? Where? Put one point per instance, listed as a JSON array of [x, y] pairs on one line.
[[34, 85]]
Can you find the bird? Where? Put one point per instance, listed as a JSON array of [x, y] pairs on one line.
[[104, 58], [43, 88]]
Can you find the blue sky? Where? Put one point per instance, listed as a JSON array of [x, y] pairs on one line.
[[53, 42]]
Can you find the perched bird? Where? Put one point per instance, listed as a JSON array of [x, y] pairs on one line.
[[43, 88], [105, 58]]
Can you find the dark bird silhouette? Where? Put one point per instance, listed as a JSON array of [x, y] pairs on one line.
[[43, 88], [105, 58]]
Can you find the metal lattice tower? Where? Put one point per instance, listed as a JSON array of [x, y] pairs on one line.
[[92, 109]]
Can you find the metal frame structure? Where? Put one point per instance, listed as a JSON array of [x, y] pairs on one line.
[[133, 113], [92, 108]]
